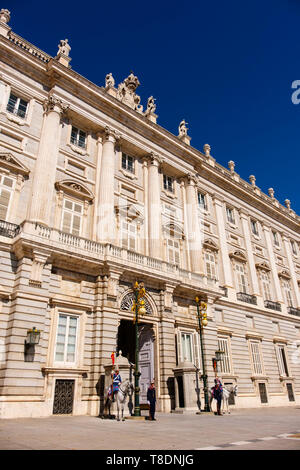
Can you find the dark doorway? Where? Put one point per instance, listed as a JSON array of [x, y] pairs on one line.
[[63, 397], [263, 392], [126, 339]]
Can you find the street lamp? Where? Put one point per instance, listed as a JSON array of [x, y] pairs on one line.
[[139, 309], [202, 319], [216, 359]]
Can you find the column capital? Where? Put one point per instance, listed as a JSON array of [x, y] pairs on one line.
[[52, 104], [243, 213], [217, 199], [191, 179], [154, 159], [110, 135]]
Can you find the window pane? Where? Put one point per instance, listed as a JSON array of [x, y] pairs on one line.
[[22, 108], [12, 103]]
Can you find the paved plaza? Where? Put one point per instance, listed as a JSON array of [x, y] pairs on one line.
[[243, 429]]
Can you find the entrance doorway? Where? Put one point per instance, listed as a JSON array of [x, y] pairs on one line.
[[126, 343], [63, 396]]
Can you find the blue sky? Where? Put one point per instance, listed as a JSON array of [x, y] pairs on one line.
[[227, 68]]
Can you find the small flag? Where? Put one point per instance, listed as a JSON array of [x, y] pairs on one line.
[[112, 357]]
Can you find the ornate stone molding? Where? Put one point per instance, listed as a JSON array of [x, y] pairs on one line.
[[238, 255], [75, 188], [12, 163], [110, 135], [126, 93], [284, 274], [263, 266], [210, 245]]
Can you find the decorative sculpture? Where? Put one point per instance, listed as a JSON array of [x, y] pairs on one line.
[[231, 166], [271, 193], [64, 47], [182, 129], [151, 106], [206, 148], [109, 81]]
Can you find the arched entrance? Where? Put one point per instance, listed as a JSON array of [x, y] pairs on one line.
[[126, 343]]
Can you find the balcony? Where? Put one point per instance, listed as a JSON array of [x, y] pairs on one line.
[[8, 230], [294, 311], [250, 299], [273, 305]]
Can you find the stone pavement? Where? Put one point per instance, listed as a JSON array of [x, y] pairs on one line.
[[244, 429]]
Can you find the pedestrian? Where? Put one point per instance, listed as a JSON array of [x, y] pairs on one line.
[[116, 381], [218, 394], [151, 398]]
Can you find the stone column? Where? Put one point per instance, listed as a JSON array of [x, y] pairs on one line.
[[97, 185], [223, 243], [105, 211], [46, 163], [146, 199], [251, 262], [291, 266], [193, 226], [273, 266], [154, 208]]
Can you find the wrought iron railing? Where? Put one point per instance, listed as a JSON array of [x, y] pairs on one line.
[[273, 305], [250, 299], [8, 230], [294, 311]]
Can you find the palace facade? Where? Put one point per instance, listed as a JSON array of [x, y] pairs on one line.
[[94, 196]]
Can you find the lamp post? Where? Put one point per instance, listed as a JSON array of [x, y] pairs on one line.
[[216, 359], [202, 320], [139, 309]]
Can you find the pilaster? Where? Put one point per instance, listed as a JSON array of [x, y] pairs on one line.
[[154, 207], [193, 226], [291, 266], [273, 266]]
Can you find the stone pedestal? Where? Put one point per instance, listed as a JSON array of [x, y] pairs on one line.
[[187, 388]]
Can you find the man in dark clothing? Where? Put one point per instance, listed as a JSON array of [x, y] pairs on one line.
[[151, 398], [218, 394]]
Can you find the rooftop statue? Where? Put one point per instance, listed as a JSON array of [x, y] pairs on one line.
[[64, 47], [182, 128], [109, 81], [126, 92], [151, 106]]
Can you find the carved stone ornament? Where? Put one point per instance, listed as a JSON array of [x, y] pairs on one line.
[[69, 186], [238, 255], [210, 244], [109, 132], [284, 274], [271, 193], [4, 15], [182, 129], [231, 166], [10, 162], [288, 204], [127, 303], [54, 104], [64, 47], [263, 266], [109, 81], [151, 106], [252, 180], [126, 92], [206, 149]]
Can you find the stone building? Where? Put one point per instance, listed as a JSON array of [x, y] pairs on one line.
[[95, 196]]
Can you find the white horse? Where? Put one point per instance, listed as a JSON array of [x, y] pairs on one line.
[[225, 397], [120, 398]]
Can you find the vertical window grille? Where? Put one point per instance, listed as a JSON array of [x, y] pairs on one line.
[[71, 217], [210, 264], [288, 293], [265, 280], [65, 350], [202, 201], [168, 183], [282, 362], [224, 365], [254, 227], [230, 215], [129, 235], [173, 251], [256, 358], [241, 278]]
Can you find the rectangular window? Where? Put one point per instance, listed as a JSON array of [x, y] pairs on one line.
[[202, 201], [186, 344], [294, 247], [210, 264], [17, 106], [254, 227], [241, 278], [65, 350], [168, 183], [127, 162], [173, 251], [256, 358], [224, 365], [78, 137], [250, 322], [71, 217], [230, 215], [275, 238], [282, 362], [287, 293], [128, 235], [6, 189], [266, 290]]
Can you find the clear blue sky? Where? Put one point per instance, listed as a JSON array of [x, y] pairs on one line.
[[225, 67]]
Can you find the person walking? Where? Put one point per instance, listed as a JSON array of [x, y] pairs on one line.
[[151, 398]]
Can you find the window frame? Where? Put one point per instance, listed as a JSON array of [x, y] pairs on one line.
[[77, 140], [168, 181], [11, 190], [73, 213], [126, 157], [230, 215], [16, 108], [66, 342], [257, 371]]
